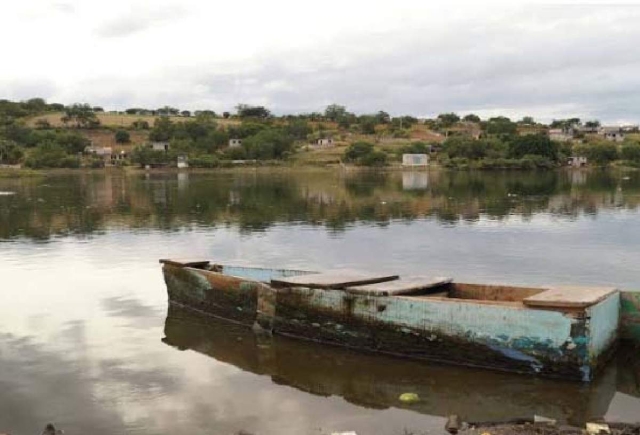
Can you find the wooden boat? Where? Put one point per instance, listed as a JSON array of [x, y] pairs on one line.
[[566, 332]]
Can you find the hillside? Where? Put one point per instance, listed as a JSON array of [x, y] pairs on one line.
[[122, 120]]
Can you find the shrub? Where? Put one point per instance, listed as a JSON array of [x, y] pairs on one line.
[[374, 158], [630, 151], [51, 155], [599, 153], [122, 136], [204, 161], [357, 150]]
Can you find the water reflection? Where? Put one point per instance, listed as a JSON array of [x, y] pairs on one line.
[[85, 203], [376, 381]]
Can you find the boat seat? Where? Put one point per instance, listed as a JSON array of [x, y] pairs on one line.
[[333, 279], [569, 297], [403, 286]]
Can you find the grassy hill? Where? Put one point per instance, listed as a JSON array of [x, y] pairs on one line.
[[121, 120]]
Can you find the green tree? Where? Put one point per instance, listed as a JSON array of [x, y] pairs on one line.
[[357, 150], [298, 129], [592, 124], [367, 124], [630, 151], [50, 155], [122, 136], [162, 129], [533, 144], [447, 119], [10, 152], [471, 118], [82, 115], [268, 144], [248, 111], [501, 125], [335, 112]]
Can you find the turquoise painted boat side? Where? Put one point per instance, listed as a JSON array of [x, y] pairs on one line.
[[630, 315], [532, 336], [604, 321]]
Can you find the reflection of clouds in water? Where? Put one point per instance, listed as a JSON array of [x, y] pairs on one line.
[[40, 385], [138, 314]]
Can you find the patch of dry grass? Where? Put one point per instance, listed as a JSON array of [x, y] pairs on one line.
[[120, 120]]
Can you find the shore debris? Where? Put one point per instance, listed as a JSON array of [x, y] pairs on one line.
[[409, 398], [453, 424], [50, 429], [598, 428]]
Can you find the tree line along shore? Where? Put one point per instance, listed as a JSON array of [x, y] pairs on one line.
[[36, 134]]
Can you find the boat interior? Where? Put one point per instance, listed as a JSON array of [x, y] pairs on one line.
[[385, 285]]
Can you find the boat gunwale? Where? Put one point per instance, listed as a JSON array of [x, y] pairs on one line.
[[516, 305]]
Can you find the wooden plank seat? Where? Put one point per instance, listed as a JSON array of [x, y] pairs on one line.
[[403, 286], [334, 279], [569, 297]]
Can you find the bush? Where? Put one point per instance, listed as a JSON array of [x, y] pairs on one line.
[[268, 144], [416, 148], [122, 136], [630, 151], [374, 158], [204, 161], [51, 155], [598, 153], [533, 144], [357, 150]]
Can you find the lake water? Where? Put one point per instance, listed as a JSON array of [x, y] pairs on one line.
[[87, 340]]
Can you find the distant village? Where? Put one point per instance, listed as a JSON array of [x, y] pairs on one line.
[[36, 134]]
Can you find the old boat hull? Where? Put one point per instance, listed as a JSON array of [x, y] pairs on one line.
[[457, 325]]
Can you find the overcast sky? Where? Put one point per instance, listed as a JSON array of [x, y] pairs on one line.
[[405, 57]]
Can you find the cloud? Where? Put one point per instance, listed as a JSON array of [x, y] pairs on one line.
[[547, 61], [137, 19]]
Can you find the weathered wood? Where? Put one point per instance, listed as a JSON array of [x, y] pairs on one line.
[[336, 279], [569, 297], [402, 286], [185, 263]]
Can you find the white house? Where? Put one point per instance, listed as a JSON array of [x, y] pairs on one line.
[[235, 143], [98, 151], [325, 142], [159, 146], [577, 161], [183, 162], [613, 134], [415, 160]]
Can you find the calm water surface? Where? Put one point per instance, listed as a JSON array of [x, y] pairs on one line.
[[87, 340]]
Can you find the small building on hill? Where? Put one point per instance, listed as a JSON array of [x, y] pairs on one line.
[[98, 151], [235, 143], [159, 146], [325, 142], [613, 134], [415, 160]]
